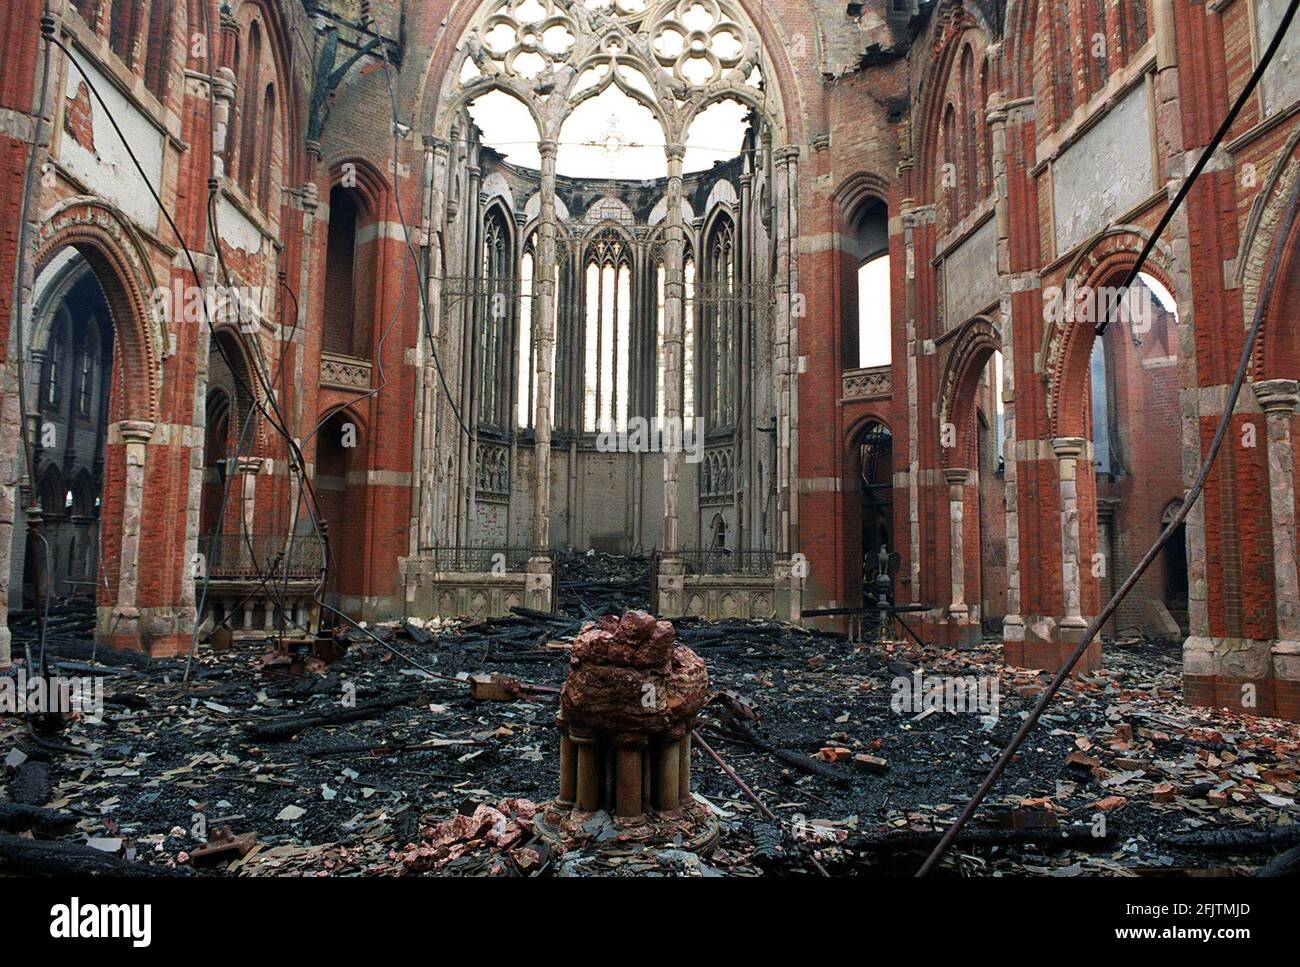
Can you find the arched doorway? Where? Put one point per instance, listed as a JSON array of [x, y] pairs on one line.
[[875, 452], [340, 496], [68, 376], [1116, 419], [990, 469]]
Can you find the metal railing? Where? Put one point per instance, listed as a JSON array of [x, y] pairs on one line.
[[255, 556], [723, 561], [481, 559]]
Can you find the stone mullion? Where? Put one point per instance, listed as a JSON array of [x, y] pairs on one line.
[[745, 412], [469, 308], [674, 306], [539, 577]]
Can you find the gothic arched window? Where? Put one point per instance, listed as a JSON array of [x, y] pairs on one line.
[[526, 401], [55, 356], [607, 324], [266, 149], [87, 351], [719, 321], [494, 311], [248, 120]]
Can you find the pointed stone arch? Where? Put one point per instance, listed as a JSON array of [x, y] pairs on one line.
[[107, 241], [972, 348]]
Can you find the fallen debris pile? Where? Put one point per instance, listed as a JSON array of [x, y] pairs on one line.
[[595, 584], [359, 769]]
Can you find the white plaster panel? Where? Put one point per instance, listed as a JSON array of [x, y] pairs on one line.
[[1105, 173], [236, 229], [105, 167], [1281, 83], [970, 275]]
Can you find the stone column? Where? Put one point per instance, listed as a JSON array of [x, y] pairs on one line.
[[223, 99], [1278, 398], [248, 469], [1068, 451], [1162, 15], [430, 453], [786, 348], [958, 610], [998, 117], [465, 482], [791, 572], [539, 565], [745, 471], [672, 598], [11, 476], [125, 616]]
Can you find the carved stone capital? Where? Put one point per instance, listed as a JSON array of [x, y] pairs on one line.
[[1277, 395]]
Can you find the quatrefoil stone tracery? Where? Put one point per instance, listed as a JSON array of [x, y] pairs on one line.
[[697, 41], [529, 36]]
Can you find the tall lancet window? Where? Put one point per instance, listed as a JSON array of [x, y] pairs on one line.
[[607, 283], [494, 313], [719, 321], [529, 359]]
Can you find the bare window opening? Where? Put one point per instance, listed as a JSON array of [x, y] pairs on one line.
[[160, 43], [122, 30], [1103, 416], [52, 375], [719, 530], [611, 135], [1175, 566], [993, 380], [266, 149], [252, 91], [606, 333], [720, 324], [340, 334], [493, 316], [875, 462], [871, 291], [526, 386], [716, 135]]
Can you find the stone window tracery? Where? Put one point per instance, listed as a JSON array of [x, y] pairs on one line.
[[607, 321], [719, 323], [493, 317]]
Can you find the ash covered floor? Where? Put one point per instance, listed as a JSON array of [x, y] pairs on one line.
[[1120, 778]]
